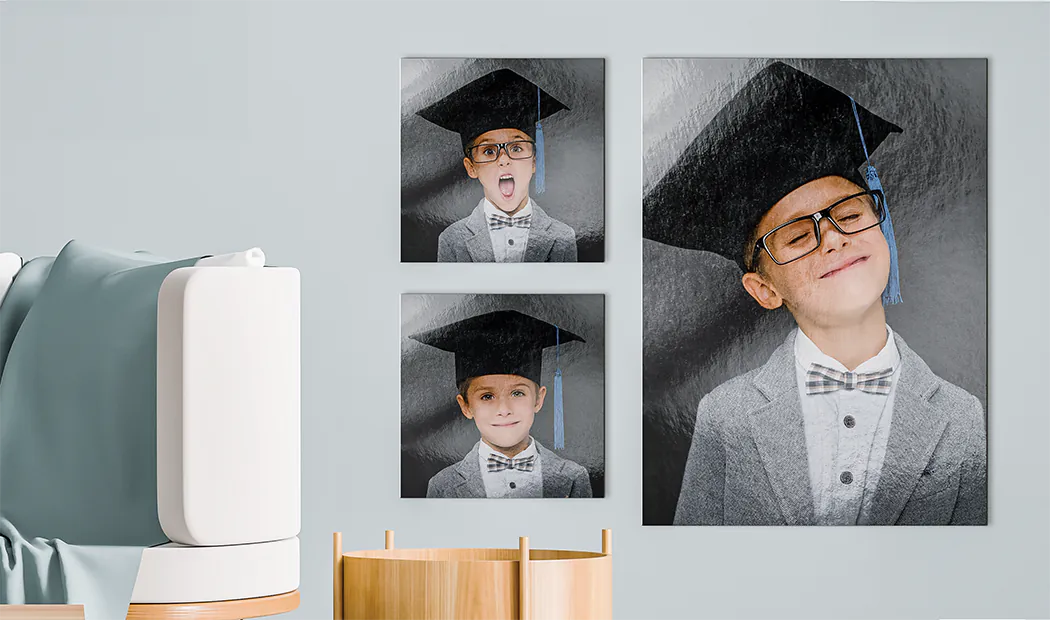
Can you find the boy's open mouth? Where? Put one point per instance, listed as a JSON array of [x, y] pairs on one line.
[[506, 185], [844, 266]]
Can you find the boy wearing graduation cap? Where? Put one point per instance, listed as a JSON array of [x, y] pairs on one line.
[[498, 369], [498, 119], [844, 424]]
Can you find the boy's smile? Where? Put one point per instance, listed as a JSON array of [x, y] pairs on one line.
[[843, 266], [505, 180], [838, 282], [503, 407]]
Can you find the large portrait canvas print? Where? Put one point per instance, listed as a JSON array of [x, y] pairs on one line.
[[815, 292]]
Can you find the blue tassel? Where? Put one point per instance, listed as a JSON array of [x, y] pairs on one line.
[[892, 294], [541, 184], [559, 411]]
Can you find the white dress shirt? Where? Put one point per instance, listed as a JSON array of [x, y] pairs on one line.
[[846, 434], [511, 482], [508, 244]]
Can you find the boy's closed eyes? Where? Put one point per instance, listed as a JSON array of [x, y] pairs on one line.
[[841, 280]]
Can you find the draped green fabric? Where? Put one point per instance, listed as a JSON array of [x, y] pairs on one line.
[[78, 477]]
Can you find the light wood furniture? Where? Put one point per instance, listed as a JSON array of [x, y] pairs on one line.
[[42, 612], [466, 584], [219, 610]]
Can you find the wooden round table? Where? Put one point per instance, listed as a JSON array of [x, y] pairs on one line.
[[219, 610]]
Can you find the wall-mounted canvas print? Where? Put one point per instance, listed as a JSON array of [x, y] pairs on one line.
[[815, 292], [502, 396], [502, 160]]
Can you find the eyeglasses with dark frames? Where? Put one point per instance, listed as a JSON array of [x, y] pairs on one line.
[[801, 237], [487, 153]]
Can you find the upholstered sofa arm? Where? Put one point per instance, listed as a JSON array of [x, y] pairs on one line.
[[228, 398]]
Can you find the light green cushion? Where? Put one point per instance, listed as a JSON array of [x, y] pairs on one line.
[[78, 402]]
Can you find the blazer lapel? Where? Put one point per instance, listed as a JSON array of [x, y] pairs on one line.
[[471, 484], [779, 433], [479, 245], [555, 482], [915, 430], [540, 239]]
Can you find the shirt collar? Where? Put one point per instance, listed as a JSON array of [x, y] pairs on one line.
[[807, 353], [484, 450], [491, 209]]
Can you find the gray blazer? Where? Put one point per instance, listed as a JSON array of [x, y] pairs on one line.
[[468, 241], [748, 465], [561, 477]]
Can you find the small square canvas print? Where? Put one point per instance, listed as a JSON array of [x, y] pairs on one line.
[[502, 160], [502, 396]]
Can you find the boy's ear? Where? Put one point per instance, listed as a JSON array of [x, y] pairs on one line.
[[540, 394], [463, 407], [472, 172], [762, 291]]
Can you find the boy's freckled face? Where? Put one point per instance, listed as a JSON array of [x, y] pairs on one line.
[[506, 180], [503, 408], [844, 276]]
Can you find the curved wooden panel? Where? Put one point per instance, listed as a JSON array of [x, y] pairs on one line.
[[219, 610], [411, 589], [572, 589], [481, 584]]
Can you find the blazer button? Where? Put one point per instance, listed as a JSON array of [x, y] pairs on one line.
[[513, 486], [849, 421], [846, 477], [510, 242]]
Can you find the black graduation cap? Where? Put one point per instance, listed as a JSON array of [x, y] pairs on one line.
[[501, 99], [505, 342], [782, 130]]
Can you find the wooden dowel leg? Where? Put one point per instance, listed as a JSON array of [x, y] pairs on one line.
[[524, 590], [606, 542], [390, 539], [337, 576]]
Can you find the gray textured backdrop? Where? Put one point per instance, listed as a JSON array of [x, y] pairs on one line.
[[199, 127], [434, 432], [935, 177], [435, 189]]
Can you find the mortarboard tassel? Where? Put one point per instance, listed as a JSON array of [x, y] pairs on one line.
[[540, 182], [559, 412], [892, 294]]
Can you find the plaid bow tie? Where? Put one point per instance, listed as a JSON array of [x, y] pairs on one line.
[[498, 462], [821, 380], [497, 222]]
